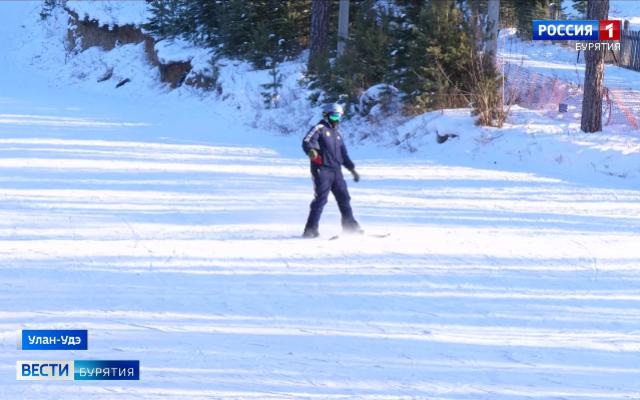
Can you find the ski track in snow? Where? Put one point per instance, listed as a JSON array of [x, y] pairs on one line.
[[171, 234]]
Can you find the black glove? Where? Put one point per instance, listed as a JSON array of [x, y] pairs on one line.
[[356, 177]]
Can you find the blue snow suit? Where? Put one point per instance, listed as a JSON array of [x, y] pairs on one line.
[[327, 141]]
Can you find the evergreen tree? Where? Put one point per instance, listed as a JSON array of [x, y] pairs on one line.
[[435, 61], [209, 20], [237, 28], [170, 18], [366, 59], [519, 13], [425, 48], [248, 29], [271, 95]]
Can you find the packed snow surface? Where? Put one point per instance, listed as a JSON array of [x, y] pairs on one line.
[[168, 226]]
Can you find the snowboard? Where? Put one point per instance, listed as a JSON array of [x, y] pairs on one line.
[[371, 235]]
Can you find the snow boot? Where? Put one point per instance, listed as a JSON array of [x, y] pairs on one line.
[[310, 233]]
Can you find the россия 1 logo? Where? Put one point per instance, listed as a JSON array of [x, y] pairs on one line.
[[583, 30]]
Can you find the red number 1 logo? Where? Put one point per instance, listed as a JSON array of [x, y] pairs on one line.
[[609, 29]]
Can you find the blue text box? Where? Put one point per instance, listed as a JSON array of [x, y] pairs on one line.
[[54, 339], [106, 370], [572, 29]]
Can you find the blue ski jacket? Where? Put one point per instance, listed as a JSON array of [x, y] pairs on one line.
[[327, 141]]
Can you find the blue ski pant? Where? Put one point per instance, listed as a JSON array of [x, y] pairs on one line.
[[327, 180]]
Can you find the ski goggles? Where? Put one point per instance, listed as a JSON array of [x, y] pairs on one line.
[[335, 117]]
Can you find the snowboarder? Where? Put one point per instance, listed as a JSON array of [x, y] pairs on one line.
[[327, 153]]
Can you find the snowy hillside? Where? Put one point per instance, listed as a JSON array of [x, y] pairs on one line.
[[531, 140], [167, 223]]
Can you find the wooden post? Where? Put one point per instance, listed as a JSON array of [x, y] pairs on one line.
[[623, 50], [636, 41]]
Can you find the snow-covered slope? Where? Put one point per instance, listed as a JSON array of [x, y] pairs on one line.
[[111, 12], [167, 224]]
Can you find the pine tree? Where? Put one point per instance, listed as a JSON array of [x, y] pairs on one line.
[[249, 29], [366, 59], [244, 29], [434, 63], [519, 13], [170, 18], [208, 22], [271, 95]]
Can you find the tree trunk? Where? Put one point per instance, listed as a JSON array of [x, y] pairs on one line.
[[476, 24], [343, 26], [319, 32], [593, 75], [493, 22]]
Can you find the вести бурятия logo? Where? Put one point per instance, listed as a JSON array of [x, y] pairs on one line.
[[78, 370]]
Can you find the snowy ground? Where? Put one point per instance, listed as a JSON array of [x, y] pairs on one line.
[[168, 228]]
